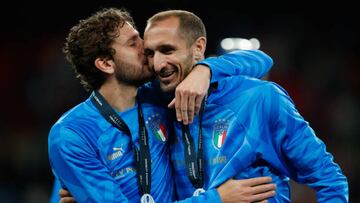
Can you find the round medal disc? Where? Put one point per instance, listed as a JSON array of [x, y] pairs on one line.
[[147, 198], [198, 192]]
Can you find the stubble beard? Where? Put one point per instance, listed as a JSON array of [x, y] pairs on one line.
[[132, 74], [186, 69]]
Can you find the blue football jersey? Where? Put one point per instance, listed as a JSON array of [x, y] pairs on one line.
[[95, 161], [251, 128]]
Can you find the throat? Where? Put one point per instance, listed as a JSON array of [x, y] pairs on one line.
[[120, 97]]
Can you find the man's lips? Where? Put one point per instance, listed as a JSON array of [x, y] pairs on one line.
[[166, 77], [166, 74]]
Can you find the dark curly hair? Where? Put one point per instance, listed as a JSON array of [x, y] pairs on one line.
[[92, 38]]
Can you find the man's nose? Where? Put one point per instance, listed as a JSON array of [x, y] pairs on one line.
[[141, 46], [159, 62]]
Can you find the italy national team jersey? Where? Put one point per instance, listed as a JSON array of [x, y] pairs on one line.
[[250, 128], [95, 161]]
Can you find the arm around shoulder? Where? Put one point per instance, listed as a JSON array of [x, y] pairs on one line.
[[252, 63]]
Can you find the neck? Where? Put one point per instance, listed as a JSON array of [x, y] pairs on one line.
[[119, 96]]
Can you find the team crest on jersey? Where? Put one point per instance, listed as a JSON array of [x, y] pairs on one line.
[[219, 132], [157, 127]]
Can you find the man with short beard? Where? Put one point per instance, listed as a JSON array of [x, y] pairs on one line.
[[246, 127], [113, 146]]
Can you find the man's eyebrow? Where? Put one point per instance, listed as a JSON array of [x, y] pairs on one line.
[[132, 38], [167, 46], [161, 47]]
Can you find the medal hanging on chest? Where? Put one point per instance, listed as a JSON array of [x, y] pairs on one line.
[[146, 198], [142, 156], [194, 162]]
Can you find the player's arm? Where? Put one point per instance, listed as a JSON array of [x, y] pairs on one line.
[[191, 91], [54, 197], [252, 63], [307, 160], [239, 191], [78, 168]]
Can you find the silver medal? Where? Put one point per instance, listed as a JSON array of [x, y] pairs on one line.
[[198, 192], [147, 198]]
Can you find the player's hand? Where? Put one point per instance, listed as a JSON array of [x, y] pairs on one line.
[[190, 93], [66, 197], [247, 190]]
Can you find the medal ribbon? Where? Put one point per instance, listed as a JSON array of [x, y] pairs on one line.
[[194, 164], [142, 156]]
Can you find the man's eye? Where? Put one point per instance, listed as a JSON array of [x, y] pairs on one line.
[[167, 50], [149, 53]]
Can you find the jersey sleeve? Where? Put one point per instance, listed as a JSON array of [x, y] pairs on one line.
[[75, 163], [303, 154], [55, 197], [253, 63], [209, 196]]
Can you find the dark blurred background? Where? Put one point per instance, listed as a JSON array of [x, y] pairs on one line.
[[316, 59]]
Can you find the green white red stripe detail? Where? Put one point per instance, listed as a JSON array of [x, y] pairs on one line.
[[220, 138], [161, 133]]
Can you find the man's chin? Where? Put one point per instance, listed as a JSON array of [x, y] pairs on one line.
[[146, 78], [143, 81], [167, 87], [140, 81]]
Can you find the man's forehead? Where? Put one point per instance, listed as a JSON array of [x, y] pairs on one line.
[[165, 26], [161, 30], [166, 22], [128, 28], [127, 31], [155, 40], [160, 33]]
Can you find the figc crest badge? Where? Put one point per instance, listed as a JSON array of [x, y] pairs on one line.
[[157, 127], [219, 132]]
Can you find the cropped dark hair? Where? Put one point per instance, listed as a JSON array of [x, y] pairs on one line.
[[191, 26]]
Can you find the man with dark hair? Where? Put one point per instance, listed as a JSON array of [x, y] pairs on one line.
[[113, 146], [246, 127]]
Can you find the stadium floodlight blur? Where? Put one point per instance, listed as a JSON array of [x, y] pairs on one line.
[[230, 44]]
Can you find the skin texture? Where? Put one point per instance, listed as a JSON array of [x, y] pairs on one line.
[[172, 59]]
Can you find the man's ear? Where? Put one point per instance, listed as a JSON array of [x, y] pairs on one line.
[[105, 65], [199, 48]]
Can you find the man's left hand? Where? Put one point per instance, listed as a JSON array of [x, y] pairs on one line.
[[190, 93]]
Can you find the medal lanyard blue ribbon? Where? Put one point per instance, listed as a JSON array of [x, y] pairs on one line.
[[194, 162], [142, 156]]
